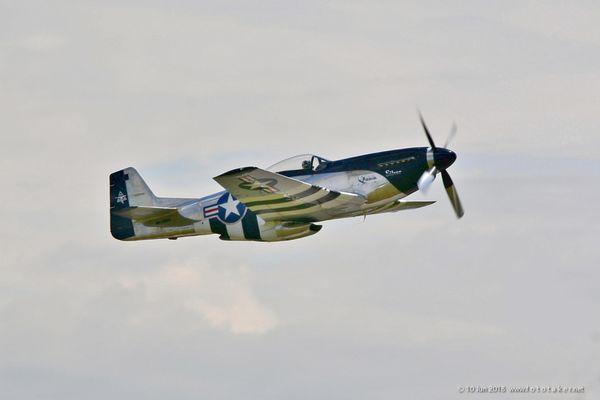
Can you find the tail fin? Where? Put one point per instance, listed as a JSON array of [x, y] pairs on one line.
[[127, 189]]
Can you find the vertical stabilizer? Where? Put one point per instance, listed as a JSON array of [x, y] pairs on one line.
[[127, 189]]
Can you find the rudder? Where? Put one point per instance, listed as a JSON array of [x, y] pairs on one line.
[[127, 189]]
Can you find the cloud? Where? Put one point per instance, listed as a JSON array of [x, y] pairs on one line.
[[221, 297], [413, 302]]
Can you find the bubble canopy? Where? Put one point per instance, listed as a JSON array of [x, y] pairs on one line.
[[307, 162]]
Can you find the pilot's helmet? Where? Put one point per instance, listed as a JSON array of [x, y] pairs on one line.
[[306, 164]]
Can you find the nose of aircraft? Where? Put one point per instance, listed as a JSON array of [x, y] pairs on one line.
[[443, 158]]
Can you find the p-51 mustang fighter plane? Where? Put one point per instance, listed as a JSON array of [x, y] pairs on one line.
[[284, 201]]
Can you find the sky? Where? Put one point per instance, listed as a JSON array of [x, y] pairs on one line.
[[414, 304]]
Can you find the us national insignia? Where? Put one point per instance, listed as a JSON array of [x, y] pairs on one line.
[[266, 185], [228, 209]]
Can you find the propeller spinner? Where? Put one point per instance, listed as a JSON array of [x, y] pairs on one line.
[[439, 159]]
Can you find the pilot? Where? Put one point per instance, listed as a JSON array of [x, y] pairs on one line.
[[306, 164]]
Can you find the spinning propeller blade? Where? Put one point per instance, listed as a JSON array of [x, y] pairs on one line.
[[426, 179], [451, 134], [429, 138], [452, 194], [439, 154]]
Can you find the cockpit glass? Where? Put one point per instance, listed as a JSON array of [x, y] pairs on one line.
[[308, 162]]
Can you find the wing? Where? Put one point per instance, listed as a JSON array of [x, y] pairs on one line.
[[277, 197], [154, 216], [397, 205]]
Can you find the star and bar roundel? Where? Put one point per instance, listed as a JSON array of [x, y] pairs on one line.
[[228, 209]]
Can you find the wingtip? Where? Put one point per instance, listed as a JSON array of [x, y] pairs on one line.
[[236, 171]]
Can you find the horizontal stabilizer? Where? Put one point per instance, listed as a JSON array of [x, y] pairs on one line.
[[154, 216]]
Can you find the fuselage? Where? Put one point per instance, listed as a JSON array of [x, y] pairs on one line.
[[380, 178]]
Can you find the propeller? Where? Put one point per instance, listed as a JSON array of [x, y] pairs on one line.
[[426, 179], [429, 138], [440, 159], [451, 134], [452, 194]]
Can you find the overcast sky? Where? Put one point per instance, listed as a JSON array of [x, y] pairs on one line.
[[406, 305]]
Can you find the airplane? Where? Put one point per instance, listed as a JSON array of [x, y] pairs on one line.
[[286, 200]]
